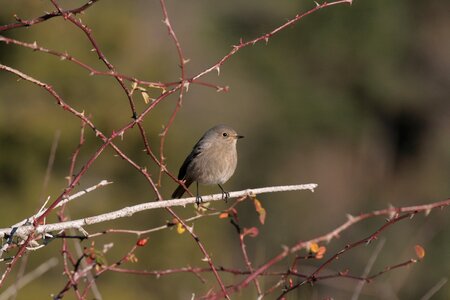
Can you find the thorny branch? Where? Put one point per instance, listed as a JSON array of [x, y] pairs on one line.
[[29, 235]]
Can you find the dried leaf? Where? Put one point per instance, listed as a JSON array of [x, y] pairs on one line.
[[132, 258], [99, 258], [202, 208], [314, 247], [141, 242], [420, 252], [180, 228], [223, 215], [146, 97], [260, 210], [320, 252], [252, 232]]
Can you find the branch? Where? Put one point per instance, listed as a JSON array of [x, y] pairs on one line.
[[36, 273], [392, 212], [365, 241], [27, 23], [434, 289], [265, 37], [129, 211]]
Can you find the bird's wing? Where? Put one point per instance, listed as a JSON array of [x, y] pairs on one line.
[[198, 148]]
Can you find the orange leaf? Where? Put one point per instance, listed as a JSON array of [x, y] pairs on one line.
[[260, 210], [314, 247], [142, 242], [262, 216], [320, 252], [223, 215], [420, 252], [253, 232]]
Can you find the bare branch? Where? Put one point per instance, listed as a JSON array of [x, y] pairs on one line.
[[435, 289], [23, 281], [129, 211]]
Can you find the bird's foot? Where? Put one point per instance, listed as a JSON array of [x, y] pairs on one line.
[[225, 196], [198, 200]]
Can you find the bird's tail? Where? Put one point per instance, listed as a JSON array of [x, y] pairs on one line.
[[178, 193]]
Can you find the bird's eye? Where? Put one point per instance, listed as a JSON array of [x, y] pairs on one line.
[[225, 134]]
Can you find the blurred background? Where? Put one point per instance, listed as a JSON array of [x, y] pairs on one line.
[[353, 98]]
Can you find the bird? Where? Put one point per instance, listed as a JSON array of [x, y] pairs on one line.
[[213, 160]]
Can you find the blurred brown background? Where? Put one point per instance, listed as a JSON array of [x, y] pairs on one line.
[[355, 99]]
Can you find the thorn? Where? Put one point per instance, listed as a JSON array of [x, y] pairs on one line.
[[218, 70], [312, 188], [105, 182], [344, 273], [83, 231], [317, 4], [186, 85]]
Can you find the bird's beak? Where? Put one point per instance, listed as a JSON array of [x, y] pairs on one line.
[[239, 136]]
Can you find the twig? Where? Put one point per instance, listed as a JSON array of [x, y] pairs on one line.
[[142, 232], [63, 202], [51, 160], [367, 269], [313, 277], [351, 220], [265, 37], [248, 263], [435, 289], [27, 23], [29, 277]]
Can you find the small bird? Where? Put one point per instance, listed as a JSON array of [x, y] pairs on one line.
[[213, 160]]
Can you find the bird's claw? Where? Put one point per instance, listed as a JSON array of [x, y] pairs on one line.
[[225, 196], [198, 200]]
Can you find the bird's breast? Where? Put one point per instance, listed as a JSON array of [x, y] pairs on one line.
[[214, 166]]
